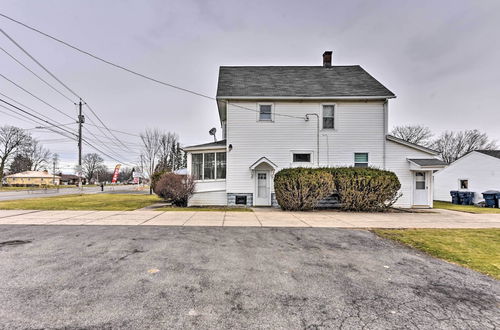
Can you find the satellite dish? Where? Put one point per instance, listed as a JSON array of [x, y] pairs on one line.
[[212, 132]]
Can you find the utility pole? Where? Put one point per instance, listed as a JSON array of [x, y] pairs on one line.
[[81, 120]]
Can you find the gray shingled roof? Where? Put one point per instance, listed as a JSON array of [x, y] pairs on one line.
[[492, 153], [298, 81], [427, 162], [220, 143]]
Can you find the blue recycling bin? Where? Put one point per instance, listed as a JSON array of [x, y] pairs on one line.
[[454, 197], [466, 197], [490, 198]]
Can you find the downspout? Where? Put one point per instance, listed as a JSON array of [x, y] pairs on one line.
[[317, 134], [384, 151]]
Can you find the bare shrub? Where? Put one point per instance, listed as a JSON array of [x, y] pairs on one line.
[[175, 188]]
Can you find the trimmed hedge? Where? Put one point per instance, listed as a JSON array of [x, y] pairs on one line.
[[301, 188], [359, 189]]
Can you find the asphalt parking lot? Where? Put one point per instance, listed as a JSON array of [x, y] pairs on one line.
[[140, 277]]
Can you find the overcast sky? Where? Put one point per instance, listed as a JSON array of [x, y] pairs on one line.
[[441, 58]]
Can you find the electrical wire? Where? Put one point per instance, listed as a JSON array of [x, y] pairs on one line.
[[36, 75], [138, 73], [60, 81]]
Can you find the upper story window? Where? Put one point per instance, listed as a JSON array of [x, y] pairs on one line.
[[265, 112], [361, 159], [328, 116], [302, 158], [208, 165]]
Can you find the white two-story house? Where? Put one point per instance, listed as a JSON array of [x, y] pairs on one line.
[[276, 117]]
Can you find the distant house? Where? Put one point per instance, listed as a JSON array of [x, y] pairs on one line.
[[275, 117], [71, 179], [478, 171], [32, 178]]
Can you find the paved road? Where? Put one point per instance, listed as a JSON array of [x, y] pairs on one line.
[[139, 277], [24, 194], [259, 218]]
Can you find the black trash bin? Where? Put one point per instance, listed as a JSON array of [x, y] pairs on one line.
[[454, 197], [466, 197], [498, 199], [490, 198]]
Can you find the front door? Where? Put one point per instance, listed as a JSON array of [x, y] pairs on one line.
[[262, 188], [421, 189]]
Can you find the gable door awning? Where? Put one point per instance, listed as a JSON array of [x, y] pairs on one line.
[[426, 164]]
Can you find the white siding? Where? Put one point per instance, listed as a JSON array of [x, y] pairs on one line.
[[208, 198], [482, 171], [397, 155], [359, 127]]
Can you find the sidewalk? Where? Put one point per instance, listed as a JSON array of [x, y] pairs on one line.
[[259, 218]]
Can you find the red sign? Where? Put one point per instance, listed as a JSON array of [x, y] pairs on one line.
[[115, 174]]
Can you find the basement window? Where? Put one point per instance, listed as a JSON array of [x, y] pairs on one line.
[[302, 158]]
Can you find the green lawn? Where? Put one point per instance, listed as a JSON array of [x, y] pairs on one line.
[[100, 202], [209, 209], [478, 249], [464, 208]]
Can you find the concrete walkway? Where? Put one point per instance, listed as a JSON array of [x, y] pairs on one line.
[[259, 218]]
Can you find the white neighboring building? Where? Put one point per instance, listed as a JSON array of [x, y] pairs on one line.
[[478, 171], [288, 116]]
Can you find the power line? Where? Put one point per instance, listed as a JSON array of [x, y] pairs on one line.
[[41, 119], [36, 75], [38, 98], [58, 80], [135, 72], [115, 130]]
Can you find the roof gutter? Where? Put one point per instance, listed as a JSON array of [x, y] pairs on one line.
[[312, 98]]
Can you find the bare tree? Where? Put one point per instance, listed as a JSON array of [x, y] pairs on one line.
[[413, 133], [37, 154], [12, 140], [91, 163], [167, 142], [151, 145], [453, 145]]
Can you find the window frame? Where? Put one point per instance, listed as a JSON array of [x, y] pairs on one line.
[[215, 152], [367, 159], [334, 105], [460, 184], [271, 120], [302, 153]]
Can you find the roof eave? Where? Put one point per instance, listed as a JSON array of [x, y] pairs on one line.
[[312, 98], [411, 145]]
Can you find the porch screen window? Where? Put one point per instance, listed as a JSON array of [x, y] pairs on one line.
[[221, 165], [328, 116], [301, 158], [209, 166], [197, 164], [265, 112], [361, 159]]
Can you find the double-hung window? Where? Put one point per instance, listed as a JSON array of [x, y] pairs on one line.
[[361, 159], [208, 166], [328, 116], [265, 112]]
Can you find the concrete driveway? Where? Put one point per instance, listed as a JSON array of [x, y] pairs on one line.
[[259, 218], [152, 277]]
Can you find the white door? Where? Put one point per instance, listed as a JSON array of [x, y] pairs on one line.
[[421, 189], [262, 188]]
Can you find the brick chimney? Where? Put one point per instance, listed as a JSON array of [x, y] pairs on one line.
[[327, 59]]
